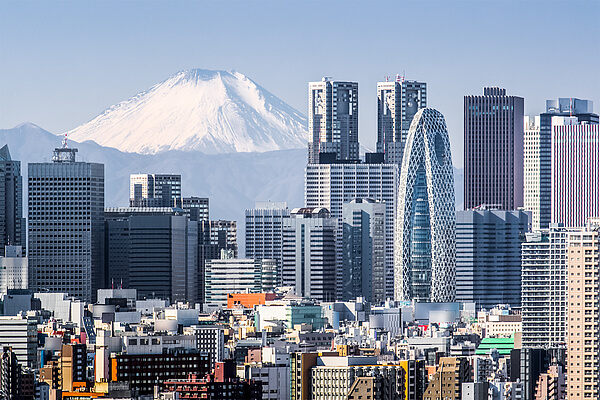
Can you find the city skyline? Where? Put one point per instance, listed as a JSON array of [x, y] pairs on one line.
[[86, 72]]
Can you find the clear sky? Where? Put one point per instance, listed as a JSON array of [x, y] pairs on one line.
[[64, 62]]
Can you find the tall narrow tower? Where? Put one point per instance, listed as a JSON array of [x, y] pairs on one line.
[[12, 223], [66, 225], [333, 120], [397, 104]]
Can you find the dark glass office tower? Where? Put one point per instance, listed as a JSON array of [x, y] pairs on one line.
[[493, 126], [12, 223]]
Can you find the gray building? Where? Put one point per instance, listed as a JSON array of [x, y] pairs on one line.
[[264, 231], [488, 256], [14, 270], [196, 208], [363, 250], [155, 190], [12, 223], [493, 149], [333, 120], [213, 237], [397, 103], [148, 249], [66, 225], [20, 333], [309, 253]]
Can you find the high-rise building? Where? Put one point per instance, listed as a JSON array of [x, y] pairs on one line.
[[397, 104], [331, 185], [264, 231], [333, 120], [488, 256], [493, 146], [12, 223], [583, 337], [538, 154], [363, 250], [153, 250], [575, 171], [196, 208], [213, 237], [14, 270], [544, 287], [66, 225], [425, 251], [155, 190], [230, 275], [21, 334], [309, 253]]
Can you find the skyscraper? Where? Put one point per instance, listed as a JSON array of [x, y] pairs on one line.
[[12, 223], [213, 237], [155, 190], [397, 104], [544, 287], [575, 171], [538, 154], [333, 120], [488, 256], [309, 253], [196, 208], [425, 226], [493, 146], [66, 225], [331, 185], [363, 250]]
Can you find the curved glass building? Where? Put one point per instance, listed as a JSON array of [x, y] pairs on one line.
[[425, 242]]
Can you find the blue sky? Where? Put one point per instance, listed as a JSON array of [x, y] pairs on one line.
[[64, 62]]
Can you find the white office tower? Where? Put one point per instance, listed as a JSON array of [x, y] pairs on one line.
[[155, 190], [20, 333], [544, 287], [264, 231], [309, 253], [13, 270], [66, 226], [230, 275], [363, 250], [331, 185], [575, 171], [397, 104], [532, 169], [425, 250], [333, 120]]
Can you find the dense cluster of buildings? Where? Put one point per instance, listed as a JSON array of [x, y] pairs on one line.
[[377, 287]]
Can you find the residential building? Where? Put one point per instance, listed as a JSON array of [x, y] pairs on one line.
[[448, 380], [155, 190], [264, 231], [331, 185], [575, 169], [397, 103], [300, 373], [583, 337], [66, 226], [230, 275], [196, 208], [552, 386], [14, 272], [211, 340], [544, 287], [488, 256], [10, 374], [493, 147], [12, 224], [333, 120], [309, 253], [363, 250], [532, 177], [425, 250], [20, 333], [147, 250]]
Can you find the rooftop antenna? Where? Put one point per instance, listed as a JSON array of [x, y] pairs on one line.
[[387, 78], [64, 142]]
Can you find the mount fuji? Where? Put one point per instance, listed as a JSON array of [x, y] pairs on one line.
[[213, 112]]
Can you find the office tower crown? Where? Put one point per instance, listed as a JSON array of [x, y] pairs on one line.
[[494, 91]]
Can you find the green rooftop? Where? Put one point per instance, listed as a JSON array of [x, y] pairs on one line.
[[503, 345]]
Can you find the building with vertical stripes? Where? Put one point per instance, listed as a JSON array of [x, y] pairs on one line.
[[575, 171], [493, 149]]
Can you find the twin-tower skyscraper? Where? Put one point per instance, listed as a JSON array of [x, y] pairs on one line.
[[413, 143]]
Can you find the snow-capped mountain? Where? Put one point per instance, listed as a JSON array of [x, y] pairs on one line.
[[199, 110]]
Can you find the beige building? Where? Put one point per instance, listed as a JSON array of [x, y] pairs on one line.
[[447, 382], [582, 329]]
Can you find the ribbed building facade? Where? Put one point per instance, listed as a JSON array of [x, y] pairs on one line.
[[333, 120], [425, 250], [397, 103], [66, 226], [493, 149]]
